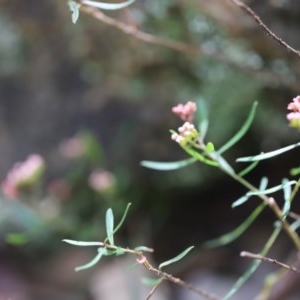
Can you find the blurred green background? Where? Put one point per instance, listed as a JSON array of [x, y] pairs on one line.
[[115, 93]]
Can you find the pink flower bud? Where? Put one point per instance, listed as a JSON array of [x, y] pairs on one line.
[[185, 111]]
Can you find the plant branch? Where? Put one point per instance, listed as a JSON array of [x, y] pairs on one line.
[[269, 260], [140, 35], [225, 167], [258, 20], [267, 76], [143, 260]]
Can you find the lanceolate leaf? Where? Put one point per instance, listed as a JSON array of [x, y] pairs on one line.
[[194, 153], [110, 226], [107, 6], [267, 155], [82, 243], [168, 166], [248, 169], [240, 201], [245, 198], [176, 258], [123, 218], [243, 130], [231, 236], [203, 118], [93, 261], [273, 189], [287, 197], [74, 8]]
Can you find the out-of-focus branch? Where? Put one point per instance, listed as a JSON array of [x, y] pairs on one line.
[[258, 20], [140, 35], [269, 260], [264, 75]]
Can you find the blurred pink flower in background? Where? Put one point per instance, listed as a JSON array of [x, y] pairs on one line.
[[101, 180], [185, 111], [294, 116], [72, 147], [23, 174]]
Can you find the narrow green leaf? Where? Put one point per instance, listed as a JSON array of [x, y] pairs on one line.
[[195, 154], [122, 219], [233, 235], [222, 163], [287, 191], [248, 169], [240, 201], [110, 226], [245, 198], [143, 249], [263, 183], [243, 130], [93, 261], [82, 243], [107, 6], [203, 117], [168, 166], [273, 189], [74, 8], [176, 258], [267, 155], [254, 265]]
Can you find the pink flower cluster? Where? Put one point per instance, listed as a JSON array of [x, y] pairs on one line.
[[101, 180], [186, 133], [294, 116], [72, 148], [21, 174], [185, 111]]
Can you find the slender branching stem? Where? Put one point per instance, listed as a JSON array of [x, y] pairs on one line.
[[269, 260], [258, 20], [143, 260]]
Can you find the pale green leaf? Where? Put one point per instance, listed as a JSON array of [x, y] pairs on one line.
[[287, 191], [74, 8], [248, 169], [245, 198], [143, 249], [110, 226], [222, 163], [107, 6], [243, 130], [82, 243], [123, 218], [176, 258], [195, 154], [203, 117], [93, 261], [267, 155], [273, 189], [240, 201], [168, 166], [233, 235]]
